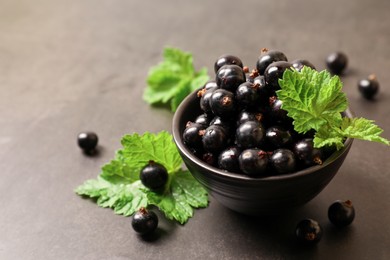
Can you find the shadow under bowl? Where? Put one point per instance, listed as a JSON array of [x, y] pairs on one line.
[[269, 195]]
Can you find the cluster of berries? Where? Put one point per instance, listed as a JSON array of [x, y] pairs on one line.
[[242, 127]]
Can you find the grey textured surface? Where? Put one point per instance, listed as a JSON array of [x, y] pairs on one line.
[[68, 66]]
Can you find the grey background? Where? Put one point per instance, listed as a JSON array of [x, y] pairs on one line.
[[68, 66]]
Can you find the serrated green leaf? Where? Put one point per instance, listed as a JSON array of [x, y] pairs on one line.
[[173, 79], [364, 129], [125, 199], [312, 98]]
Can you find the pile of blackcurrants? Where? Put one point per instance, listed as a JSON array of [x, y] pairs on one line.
[[242, 127]]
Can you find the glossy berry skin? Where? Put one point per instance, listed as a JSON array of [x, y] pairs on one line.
[[299, 64], [337, 62], [192, 135], [203, 119], [154, 176], [205, 96], [215, 139], [229, 77], [368, 87], [227, 60], [249, 135], [277, 137], [228, 159], [253, 162], [87, 141], [308, 231], [222, 103], [247, 95], [211, 84], [262, 89], [341, 213], [267, 57], [277, 115], [274, 72], [306, 153], [245, 116], [144, 221], [283, 161]]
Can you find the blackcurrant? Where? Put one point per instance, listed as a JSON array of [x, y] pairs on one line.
[[274, 72], [276, 114], [299, 64], [225, 123], [215, 139], [222, 103], [154, 175], [368, 87], [229, 77], [341, 213], [144, 221], [227, 60], [228, 159], [250, 135], [209, 158], [253, 162], [247, 95], [245, 116], [308, 231], [211, 84], [203, 119], [262, 89], [277, 137], [306, 153], [205, 96], [267, 57], [87, 141], [337, 62], [283, 161], [192, 135]]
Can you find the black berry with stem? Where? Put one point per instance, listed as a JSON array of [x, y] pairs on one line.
[[247, 95], [267, 57], [154, 176], [341, 213], [215, 139], [222, 103], [228, 159], [306, 153], [229, 77], [368, 87], [227, 60], [283, 161], [337, 62], [262, 89], [144, 221], [250, 135], [274, 72], [205, 96], [253, 162], [300, 63], [192, 135], [308, 231], [87, 141], [245, 116]]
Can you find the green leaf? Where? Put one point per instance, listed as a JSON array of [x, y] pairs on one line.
[[118, 185], [172, 80], [364, 129], [125, 199], [312, 98], [184, 194]]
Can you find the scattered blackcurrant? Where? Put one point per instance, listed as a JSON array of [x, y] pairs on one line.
[[368, 87], [337, 62], [154, 176], [144, 221], [308, 231], [341, 213], [87, 141]]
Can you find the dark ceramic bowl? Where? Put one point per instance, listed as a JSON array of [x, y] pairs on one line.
[[254, 196]]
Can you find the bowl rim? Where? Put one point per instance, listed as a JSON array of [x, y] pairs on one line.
[[239, 176]]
